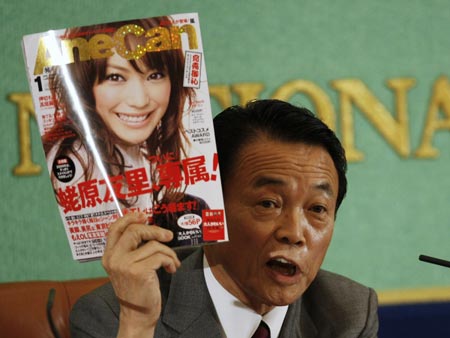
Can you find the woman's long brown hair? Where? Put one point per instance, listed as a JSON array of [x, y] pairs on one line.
[[169, 137]]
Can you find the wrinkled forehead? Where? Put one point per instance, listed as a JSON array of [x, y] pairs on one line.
[[284, 166]]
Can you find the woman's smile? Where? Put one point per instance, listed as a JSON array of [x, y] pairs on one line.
[[130, 101], [133, 119]]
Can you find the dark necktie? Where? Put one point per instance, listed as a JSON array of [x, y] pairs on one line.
[[262, 331]]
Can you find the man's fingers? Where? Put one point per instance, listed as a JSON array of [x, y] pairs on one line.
[[161, 260], [140, 243], [152, 248], [136, 234], [118, 227], [155, 252], [150, 260], [128, 232]]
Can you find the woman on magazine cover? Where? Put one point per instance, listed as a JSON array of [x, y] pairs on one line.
[[134, 109]]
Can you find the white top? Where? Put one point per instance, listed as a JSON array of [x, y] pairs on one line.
[[237, 319]]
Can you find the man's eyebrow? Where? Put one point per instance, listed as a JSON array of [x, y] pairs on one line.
[[267, 180], [326, 187]]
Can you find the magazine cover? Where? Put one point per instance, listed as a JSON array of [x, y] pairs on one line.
[[125, 119]]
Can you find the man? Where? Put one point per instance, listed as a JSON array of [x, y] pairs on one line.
[[283, 174]]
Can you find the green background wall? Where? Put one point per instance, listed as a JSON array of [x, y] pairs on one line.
[[397, 206]]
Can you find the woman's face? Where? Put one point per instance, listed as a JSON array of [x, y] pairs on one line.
[[131, 103]]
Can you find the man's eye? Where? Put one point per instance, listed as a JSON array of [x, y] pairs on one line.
[[318, 209], [114, 77], [268, 204]]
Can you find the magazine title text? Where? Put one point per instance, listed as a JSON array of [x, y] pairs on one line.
[[101, 45]]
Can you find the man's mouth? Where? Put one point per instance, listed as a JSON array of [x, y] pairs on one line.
[[132, 118], [283, 266]]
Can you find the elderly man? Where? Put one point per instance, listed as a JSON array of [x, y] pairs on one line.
[[283, 174]]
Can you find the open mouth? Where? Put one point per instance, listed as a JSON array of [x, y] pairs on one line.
[[283, 266], [132, 118]]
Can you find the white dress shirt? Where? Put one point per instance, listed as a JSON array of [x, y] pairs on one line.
[[238, 320]]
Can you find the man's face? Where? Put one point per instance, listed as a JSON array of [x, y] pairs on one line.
[[280, 204]]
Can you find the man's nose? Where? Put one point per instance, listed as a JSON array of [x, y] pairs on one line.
[[137, 94], [292, 227]]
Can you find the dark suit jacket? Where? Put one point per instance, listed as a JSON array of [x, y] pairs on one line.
[[333, 306]]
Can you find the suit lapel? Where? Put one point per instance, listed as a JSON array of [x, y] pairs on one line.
[[189, 310], [307, 326], [298, 322]]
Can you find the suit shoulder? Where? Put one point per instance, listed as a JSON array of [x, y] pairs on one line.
[[96, 311], [337, 289], [327, 279], [350, 306]]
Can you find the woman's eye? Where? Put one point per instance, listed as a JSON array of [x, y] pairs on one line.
[[156, 76], [114, 77]]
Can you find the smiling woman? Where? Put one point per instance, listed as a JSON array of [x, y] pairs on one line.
[[131, 110], [131, 102]]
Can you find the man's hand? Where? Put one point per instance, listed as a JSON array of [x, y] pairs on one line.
[[133, 253]]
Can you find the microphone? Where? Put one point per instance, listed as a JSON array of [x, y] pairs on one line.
[[433, 260]]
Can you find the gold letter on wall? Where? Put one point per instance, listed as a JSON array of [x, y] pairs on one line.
[[246, 91], [323, 107], [439, 100], [395, 131], [25, 109], [222, 94]]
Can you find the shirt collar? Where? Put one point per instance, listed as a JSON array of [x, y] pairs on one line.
[[237, 319]]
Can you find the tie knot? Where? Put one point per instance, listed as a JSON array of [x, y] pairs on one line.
[[263, 331]]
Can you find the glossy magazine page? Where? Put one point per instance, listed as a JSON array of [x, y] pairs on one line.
[[125, 120]]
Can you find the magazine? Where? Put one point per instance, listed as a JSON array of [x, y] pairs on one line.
[[125, 120]]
